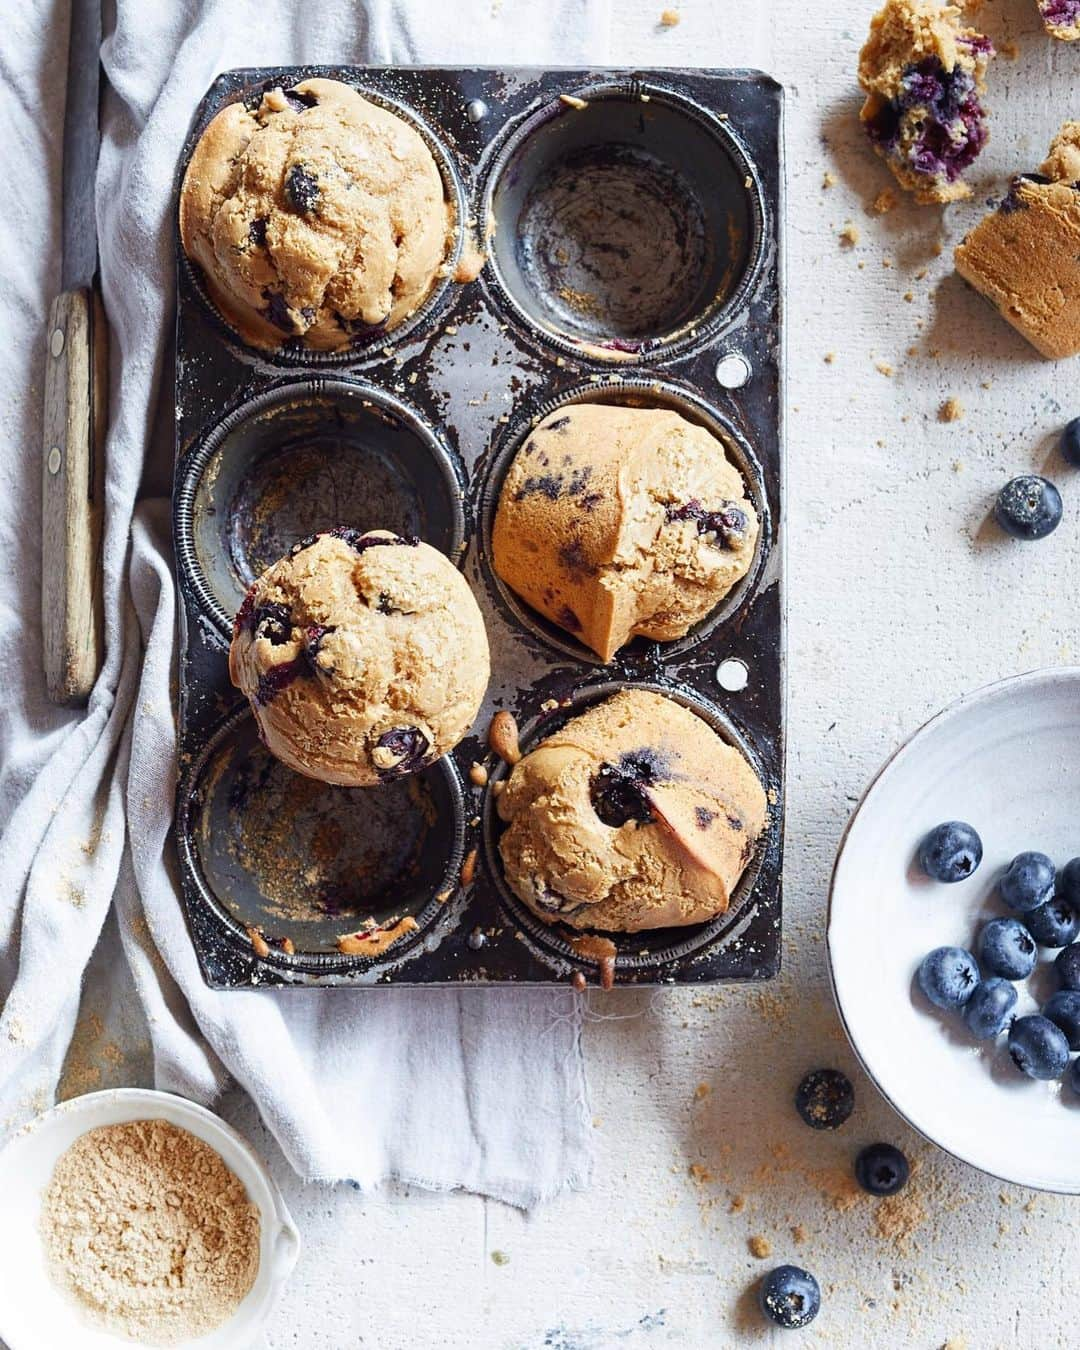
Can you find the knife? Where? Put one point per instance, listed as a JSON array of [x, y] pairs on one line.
[[76, 396]]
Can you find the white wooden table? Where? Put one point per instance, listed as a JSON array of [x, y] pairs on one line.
[[900, 597]]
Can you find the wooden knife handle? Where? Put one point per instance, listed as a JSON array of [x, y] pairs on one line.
[[76, 404]]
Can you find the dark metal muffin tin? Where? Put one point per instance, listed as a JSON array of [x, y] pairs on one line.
[[636, 256]]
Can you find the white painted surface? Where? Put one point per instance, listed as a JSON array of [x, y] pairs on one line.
[[901, 597]]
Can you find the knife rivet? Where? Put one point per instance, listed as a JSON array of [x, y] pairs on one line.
[[55, 459], [477, 110], [56, 342]]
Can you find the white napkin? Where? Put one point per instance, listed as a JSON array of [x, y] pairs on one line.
[[478, 1089]]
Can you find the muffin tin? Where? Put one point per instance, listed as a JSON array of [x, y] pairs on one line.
[[632, 222]]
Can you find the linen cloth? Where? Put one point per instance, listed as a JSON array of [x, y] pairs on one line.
[[476, 1089]]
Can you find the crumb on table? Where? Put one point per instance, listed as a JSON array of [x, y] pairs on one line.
[[886, 200], [669, 18], [952, 410], [760, 1247], [849, 235]]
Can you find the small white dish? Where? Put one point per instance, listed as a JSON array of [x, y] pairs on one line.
[[33, 1312], [1006, 759]]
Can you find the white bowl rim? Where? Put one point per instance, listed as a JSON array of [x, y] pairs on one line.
[[284, 1238], [995, 689]]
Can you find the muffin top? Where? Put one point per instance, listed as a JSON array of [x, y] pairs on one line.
[[318, 217], [634, 815], [363, 655], [618, 521]]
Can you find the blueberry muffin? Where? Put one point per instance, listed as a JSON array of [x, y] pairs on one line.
[[318, 218], [363, 655], [1025, 255], [614, 521], [924, 75], [635, 815], [1062, 18]]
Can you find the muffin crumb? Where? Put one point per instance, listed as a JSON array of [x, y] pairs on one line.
[[849, 235], [670, 18], [952, 410], [760, 1247], [885, 201]]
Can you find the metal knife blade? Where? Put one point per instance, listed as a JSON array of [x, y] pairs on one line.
[[81, 144]]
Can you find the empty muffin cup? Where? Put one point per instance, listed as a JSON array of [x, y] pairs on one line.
[[301, 458], [298, 866], [648, 950], [625, 221], [634, 392]]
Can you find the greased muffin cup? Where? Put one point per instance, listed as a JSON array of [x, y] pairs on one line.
[[626, 222], [287, 881], [305, 865]]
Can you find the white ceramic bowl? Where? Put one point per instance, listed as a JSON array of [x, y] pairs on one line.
[[1006, 759], [33, 1313]]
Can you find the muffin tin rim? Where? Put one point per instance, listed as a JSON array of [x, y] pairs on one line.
[[457, 194], [301, 962], [695, 335], [487, 490], [196, 461], [556, 950]]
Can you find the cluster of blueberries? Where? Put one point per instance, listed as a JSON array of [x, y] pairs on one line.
[[1029, 507], [789, 1295], [982, 990]]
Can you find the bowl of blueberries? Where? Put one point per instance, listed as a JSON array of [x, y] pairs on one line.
[[954, 930]]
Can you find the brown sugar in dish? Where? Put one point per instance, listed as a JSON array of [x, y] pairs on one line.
[[149, 1231]]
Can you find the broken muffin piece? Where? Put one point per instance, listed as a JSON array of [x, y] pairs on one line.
[[924, 74], [1061, 18], [1025, 256]]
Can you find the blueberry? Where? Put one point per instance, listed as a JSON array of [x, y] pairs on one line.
[[400, 750], [790, 1297], [1028, 881], [619, 793], [302, 190], [1070, 442], [825, 1099], [1038, 1047], [1069, 882], [274, 623], [950, 852], [1067, 964], [1028, 507], [1063, 1009], [1054, 924], [947, 976], [989, 1009], [881, 1169], [1007, 948]]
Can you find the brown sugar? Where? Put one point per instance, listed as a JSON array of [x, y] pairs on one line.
[[148, 1229]]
